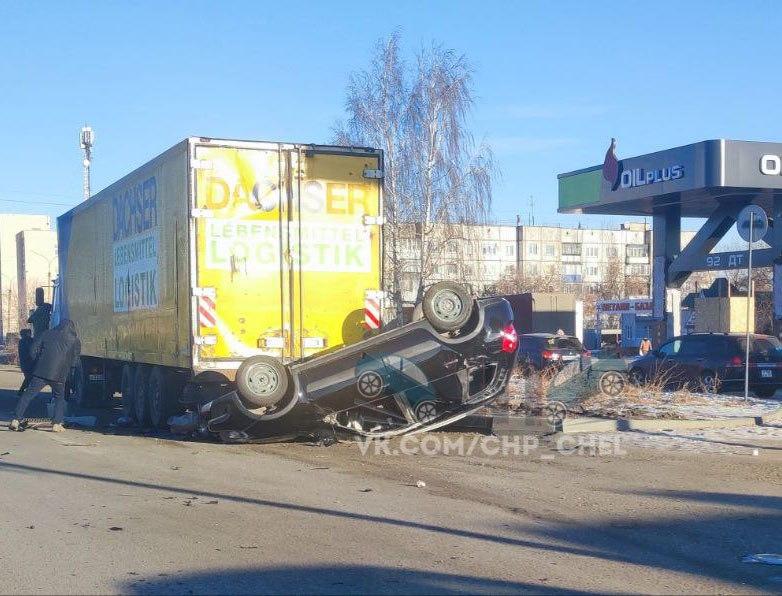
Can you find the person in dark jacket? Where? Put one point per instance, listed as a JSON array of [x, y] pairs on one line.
[[55, 352], [42, 314], [26, 361]]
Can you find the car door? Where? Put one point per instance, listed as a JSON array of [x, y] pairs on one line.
[[668, 364]]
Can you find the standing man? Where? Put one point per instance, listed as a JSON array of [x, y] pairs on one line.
[[56, 352], [645, 347], [42, 314], [26, 361]]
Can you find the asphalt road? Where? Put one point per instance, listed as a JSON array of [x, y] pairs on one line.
[[94, 512]]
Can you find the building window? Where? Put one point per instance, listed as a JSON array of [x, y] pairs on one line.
[[639, 269], [451, 247], [612, 252], [532, 248], [591, 250], [509, 250], [549, 250], [489, 250], [532, 269], [590, 270], [571, 249], [407, 284], [637, 250]]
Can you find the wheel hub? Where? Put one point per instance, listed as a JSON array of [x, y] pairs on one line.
[[262, 379], [447, 305]]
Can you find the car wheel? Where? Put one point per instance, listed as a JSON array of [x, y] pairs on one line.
[[612, 383], [765, 392], [157, 398], [637, 376], [262, 381], [141, 391], [556, 412], [370, 383], [447, 306], [426, 411], [126, 388], [709, 382]]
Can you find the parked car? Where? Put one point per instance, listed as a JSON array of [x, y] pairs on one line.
[[539, 351], [713, 362], [424, 374]]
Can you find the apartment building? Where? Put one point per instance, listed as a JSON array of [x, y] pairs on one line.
[[484, 255], [583, 255], [10, 225], [36, 259]]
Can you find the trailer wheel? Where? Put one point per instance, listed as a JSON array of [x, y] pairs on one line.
[[447, 306], [79, 392], [262, 381], [128, 394], [157, 398], [140, 391], [426, 411]]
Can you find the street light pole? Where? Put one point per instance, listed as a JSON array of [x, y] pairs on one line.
[[749, 303]]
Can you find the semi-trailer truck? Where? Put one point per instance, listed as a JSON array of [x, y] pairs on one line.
[[213, 252]]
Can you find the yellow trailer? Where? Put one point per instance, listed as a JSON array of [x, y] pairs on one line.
[[215, 251]]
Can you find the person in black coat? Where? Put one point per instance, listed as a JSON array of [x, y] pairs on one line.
[[26, 361], [56, 351]]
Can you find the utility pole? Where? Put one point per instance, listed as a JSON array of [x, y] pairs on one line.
[[86, 141]]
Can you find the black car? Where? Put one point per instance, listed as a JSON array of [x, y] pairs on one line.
[[422, 375], [539, 351], [713, 362]]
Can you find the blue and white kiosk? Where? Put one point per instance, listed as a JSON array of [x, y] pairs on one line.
[[711, 179]]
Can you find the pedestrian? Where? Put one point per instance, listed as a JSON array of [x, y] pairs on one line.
[[645, 347], [56, 351], [560, 332], [42, 314], [26, 361]]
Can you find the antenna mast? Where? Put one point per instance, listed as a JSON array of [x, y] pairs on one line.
[[86, 141]]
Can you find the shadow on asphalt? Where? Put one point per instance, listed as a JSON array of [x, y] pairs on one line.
[[710, 545], [332, 579]]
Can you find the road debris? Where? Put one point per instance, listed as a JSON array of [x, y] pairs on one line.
[[116, 528], [421, 484]]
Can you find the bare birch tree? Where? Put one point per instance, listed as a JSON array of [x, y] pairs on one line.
[[436, 178]]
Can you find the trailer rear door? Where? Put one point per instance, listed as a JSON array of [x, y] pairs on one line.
[[287, 244]]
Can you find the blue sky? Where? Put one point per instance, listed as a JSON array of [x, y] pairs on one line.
[[553, 81]]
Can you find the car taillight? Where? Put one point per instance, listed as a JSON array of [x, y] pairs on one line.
[[547, 355], [510, 339], [736, 361]]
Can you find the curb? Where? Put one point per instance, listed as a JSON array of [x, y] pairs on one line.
[[509, 425]]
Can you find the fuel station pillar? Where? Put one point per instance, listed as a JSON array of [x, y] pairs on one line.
[[666, 245]]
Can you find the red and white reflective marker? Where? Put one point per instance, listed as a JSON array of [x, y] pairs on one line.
[[372, 312], [207, 314]]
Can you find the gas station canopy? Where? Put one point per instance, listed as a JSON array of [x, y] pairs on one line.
[[696, 178]]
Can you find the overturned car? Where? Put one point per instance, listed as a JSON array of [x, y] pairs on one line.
[[456, 358]]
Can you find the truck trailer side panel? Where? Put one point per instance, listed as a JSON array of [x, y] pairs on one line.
[[124, 266]]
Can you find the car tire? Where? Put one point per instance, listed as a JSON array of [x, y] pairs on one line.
[[765, 392], [140, 393], [79, 389], [612, 383], [158, 399], [262, 381], [447, 306], [709, 382], [426, 411], [128, 392], [370, 384]]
